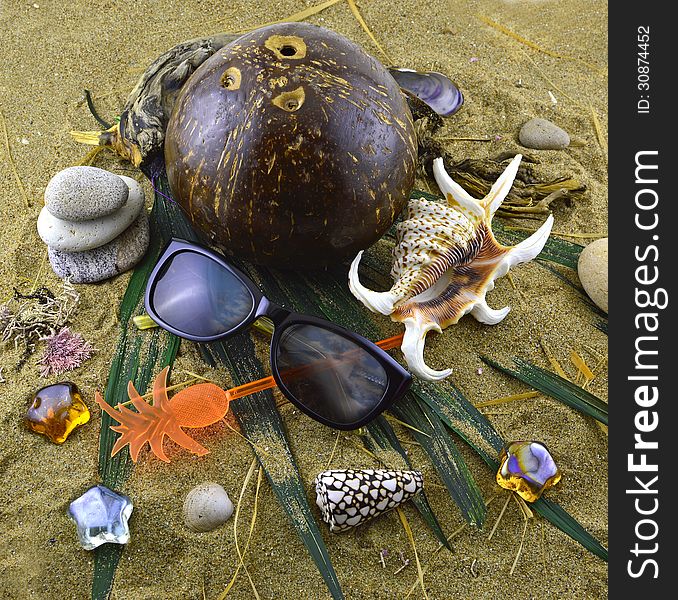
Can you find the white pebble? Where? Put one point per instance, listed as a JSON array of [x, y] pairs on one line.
[[592, 270], [206, 507]]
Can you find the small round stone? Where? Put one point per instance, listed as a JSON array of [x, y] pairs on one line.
[[541, 134], [592, 269], [106, 261], [206, 507], [74, 236], [85, 193]]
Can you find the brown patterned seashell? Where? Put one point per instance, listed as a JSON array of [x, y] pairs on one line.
[[446, 259]]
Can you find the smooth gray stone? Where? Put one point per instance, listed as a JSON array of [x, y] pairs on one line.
[[106, 261], [592, 270], [74, 236], [541, 134], [85, 193]]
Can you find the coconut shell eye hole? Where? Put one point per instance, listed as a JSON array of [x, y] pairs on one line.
[[231, 78], [290, 101], [286, 47]]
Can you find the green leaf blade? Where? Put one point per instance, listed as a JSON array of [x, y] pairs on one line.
[[445, 456], [556, 387], [379, 435], [462, 417], [566, 523], [138, 355]]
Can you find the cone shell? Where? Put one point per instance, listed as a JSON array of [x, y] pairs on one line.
[[348, 497], [528, 469]]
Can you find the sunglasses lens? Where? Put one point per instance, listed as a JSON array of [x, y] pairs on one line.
[[329, 373], [199, 297]]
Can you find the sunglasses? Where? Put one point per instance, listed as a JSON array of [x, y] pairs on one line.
[[335, 376]]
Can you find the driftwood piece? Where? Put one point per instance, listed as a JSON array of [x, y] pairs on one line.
[[529, 195], [140, 134]]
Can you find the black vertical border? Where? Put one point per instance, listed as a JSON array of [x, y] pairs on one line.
[[631, 132]]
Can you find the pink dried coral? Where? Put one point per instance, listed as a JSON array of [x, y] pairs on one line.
[[65, 351]]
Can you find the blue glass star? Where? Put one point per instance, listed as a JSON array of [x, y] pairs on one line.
[[101, 517]]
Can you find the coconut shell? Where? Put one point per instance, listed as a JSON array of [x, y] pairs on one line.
[[291, 146]]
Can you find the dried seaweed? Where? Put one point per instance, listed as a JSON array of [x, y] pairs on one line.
[[28, 318], [529, 196]]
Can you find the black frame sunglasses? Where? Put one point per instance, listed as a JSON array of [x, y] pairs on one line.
[[391, 379]]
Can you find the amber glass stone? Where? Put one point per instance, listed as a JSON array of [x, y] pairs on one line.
[[56, 410]]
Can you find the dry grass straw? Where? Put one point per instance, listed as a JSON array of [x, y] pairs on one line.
[[334, 449], [551, 83], [356, 13], [90, 157], [534, 46], [527, 515], [499, 518], [552, 359], [300, 16], [599, 130], [241, 555], [431, 563], [12, 164], [463, 139], [408, 531], [391, 418], [583, 370]]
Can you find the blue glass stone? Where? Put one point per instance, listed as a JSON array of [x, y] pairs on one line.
[[101, 516]]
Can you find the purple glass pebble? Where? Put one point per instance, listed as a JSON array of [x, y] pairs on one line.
[[528, 469], [101, 517]]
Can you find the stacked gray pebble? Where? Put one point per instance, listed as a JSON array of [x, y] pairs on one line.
[[94, 224]]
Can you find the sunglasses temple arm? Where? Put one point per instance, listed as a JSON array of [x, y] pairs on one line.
[[268, 382], [390, 343], [251, 388]]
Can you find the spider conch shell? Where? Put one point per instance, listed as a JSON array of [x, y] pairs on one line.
[[445, 261]]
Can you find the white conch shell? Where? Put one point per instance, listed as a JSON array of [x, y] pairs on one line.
[[445, 261]]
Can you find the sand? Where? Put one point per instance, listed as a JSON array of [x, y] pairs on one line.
[[52, 51]]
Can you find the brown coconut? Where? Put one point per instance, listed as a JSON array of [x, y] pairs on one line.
[[291, 146]]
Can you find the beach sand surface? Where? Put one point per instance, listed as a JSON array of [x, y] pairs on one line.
[[52, 52]]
